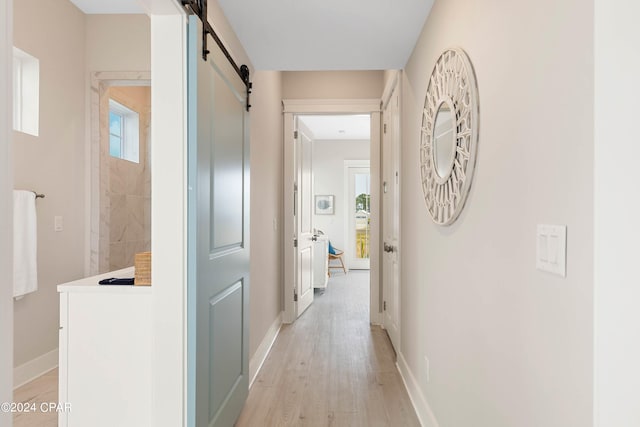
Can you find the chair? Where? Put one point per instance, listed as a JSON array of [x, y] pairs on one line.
[[335, 254]]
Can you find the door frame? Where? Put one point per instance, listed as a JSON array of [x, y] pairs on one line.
[[292, 107], [101, 81]]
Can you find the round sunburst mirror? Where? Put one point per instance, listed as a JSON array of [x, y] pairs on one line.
[[449, 136]]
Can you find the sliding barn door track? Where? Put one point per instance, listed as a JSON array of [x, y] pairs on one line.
[[199, 8]]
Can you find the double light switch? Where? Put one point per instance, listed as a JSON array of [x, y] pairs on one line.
[[551, 253]]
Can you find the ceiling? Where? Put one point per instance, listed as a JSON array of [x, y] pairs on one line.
[[109, 6], [327, 34], [290, 35], [342, 128]]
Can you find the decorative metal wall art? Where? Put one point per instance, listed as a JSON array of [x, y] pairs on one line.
[[449, 136]]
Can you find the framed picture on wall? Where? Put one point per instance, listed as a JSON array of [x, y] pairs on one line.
[[324, 205]]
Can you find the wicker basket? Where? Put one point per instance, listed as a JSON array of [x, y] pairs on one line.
[[143, 269]]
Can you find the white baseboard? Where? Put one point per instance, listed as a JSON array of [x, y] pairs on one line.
[[256, 362], [34, 368], [420, 404]]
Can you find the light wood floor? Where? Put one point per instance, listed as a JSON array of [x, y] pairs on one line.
[[43, 389], [331, 368]]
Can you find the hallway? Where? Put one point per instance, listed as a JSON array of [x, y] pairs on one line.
[[331, 367]]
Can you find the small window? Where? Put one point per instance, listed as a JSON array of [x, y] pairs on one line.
[[26, 92], [124, 132]]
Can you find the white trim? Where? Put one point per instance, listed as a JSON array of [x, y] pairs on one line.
[[32, 369], [260, 356], [338, 106], [419, 402]]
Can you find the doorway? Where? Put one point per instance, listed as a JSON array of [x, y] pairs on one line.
[[358, 213], [331, 219], [120, 169]]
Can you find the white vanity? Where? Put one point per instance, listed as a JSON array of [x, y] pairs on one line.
[[105, 353]]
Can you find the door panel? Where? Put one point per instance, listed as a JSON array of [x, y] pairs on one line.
[[227, 165], [391, 219], [304, 221], [218, 246]]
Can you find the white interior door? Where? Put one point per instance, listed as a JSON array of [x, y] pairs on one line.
[[391, 218], [218, 237], [358, 214], [305, 236]]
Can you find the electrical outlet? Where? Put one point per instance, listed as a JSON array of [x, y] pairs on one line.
[[275, 224]]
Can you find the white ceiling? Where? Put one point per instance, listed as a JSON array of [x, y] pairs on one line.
[[354, 127], [327, 34], [108, 6], [308, 35]]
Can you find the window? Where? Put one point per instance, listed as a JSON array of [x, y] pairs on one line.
[[124, 132], [26, 92]]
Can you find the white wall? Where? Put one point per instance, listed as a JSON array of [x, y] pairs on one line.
[[6, 210], [52, 163], [328, 178], [507, 345], [168, 205], [617, 209]]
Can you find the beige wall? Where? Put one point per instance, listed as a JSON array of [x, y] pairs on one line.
[[332, 84], [52, 163], [508, 345], [118, 43], [266, 205], [6, 214]]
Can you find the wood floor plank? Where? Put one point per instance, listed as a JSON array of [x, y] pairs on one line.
[[331, 368], [43, 389]]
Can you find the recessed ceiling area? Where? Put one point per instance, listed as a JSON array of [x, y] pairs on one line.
[[342, 127]]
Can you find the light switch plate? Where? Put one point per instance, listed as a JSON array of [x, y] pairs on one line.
[[551, 251]]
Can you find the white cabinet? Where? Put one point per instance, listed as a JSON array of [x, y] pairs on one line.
[[321, 262], [105, 353]]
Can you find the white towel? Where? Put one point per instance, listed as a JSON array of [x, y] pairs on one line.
[[25, 247]]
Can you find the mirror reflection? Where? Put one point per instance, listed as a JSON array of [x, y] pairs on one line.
[[444, 140]]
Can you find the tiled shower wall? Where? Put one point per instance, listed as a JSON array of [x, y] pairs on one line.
[[126, 204]]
